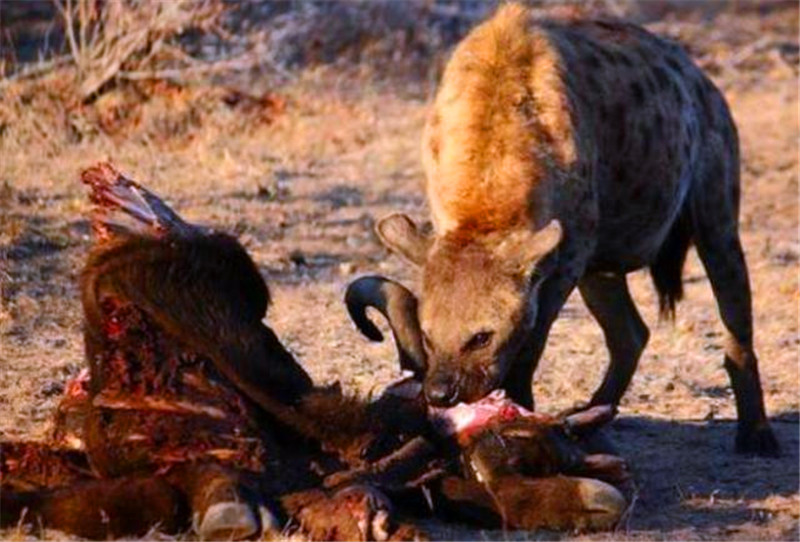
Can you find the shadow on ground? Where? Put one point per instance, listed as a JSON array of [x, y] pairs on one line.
[[689, 483]]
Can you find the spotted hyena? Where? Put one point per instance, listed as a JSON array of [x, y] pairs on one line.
[[564, 153]]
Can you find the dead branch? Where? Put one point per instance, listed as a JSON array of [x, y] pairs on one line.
[[106, 38], [242, 63], [35, 70], [412, 456]]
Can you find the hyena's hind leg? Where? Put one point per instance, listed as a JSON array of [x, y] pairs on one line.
[[609, 301], [714, 202]]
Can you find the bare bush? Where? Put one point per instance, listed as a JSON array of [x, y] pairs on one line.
[[108, 39]]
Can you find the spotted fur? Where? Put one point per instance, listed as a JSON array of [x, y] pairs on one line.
[[611, 143]]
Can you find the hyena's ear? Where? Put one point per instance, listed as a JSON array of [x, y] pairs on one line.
[[399, 234], [523, 248]]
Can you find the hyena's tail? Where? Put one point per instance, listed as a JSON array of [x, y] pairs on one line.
[[667, 267]]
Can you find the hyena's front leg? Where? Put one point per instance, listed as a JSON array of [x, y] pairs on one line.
[[609, 301], [553, 294]]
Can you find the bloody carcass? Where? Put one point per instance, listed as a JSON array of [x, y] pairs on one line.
[[193, 415]]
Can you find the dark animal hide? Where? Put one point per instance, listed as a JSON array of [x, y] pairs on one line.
[[193, 415]]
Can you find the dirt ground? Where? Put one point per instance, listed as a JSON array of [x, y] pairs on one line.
[[302, 192]]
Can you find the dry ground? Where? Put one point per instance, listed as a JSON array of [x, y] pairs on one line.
[[303, 192]]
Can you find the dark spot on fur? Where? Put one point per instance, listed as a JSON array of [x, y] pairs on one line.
[[591, 81], [657, 200], [678, 95], [603, 113], [646, 140], [608, 56], [592, 61], [618, 118], [674, 64], [617, 174], [612, 26], [433, 143], [662, 77], [471, 67], [525, 106], [637, 93], [652, 86], [625, 60], [669, 153], [687, 150]]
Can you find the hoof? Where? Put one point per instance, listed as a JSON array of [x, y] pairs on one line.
[[227, 521], [270, 524], [758, 440], [603, 504]]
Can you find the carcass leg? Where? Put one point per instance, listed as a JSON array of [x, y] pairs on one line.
[[100, 509], [519, 502], [222, 506]]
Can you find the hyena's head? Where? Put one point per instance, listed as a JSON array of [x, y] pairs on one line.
[[478, 301]]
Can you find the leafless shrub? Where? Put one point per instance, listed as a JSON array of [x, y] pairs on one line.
[[119, 37], [161, 69]]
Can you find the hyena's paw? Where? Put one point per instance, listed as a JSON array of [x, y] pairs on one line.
[[758, 440]]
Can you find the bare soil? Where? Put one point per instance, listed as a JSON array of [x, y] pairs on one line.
[[302, 190]]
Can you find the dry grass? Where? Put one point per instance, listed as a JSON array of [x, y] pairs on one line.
[[300, 173]]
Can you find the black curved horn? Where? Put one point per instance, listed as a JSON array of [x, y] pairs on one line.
[[588, 420], [399, 306]]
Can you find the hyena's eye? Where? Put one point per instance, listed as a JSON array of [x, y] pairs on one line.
[[478, 341]]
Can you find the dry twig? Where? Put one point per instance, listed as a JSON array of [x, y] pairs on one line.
[[117, 36]]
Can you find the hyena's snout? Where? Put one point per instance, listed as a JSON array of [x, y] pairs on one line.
[[448, 386], [442, 388]]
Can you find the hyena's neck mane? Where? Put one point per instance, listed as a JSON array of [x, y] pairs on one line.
[[500, 124]]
